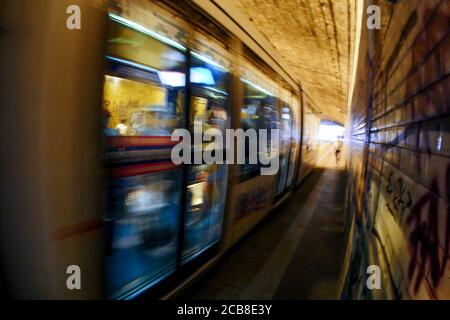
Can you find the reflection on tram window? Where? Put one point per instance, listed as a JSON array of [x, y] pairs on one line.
[[205, 201], [139, 109], [259, 111], [206, 191], [144, 88], [144, 211]]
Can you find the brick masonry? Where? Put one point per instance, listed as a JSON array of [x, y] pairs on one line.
[[400, 153], [315, 37]]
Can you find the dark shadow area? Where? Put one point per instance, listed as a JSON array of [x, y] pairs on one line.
[[315, 268], [237, 269]]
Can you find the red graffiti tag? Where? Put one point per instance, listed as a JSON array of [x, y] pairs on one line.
[[424, 238]]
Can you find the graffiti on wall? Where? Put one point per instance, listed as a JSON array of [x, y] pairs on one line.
[[399, 196], [424, 238], [409, 107]]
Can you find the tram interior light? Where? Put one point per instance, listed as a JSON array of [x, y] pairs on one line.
[[140, 28], [172, 78], [202, 76], [208, 61], [255, 86]]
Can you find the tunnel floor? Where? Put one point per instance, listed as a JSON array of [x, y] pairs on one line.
[[296, 253]]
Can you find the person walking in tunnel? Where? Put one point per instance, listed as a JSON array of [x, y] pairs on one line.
[[338, 151]]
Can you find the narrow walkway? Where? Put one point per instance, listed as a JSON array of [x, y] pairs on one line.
[[296, 253]]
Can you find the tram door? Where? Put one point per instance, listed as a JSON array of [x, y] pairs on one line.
[[296, 138], [285, 147], [145, 99], [206, 181]]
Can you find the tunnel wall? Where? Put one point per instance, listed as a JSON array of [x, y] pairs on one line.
[[399, 153]]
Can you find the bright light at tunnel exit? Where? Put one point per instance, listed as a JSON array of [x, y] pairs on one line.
[[330, 132]]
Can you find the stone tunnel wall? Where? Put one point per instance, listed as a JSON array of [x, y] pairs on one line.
[[400, 153]]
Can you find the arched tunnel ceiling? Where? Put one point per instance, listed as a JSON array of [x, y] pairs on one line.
[[316, 38]]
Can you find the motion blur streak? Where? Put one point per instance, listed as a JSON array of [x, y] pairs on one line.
[[50, 88]]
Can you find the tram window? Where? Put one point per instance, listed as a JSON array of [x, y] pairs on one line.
[[259, 111], [144, 86], [206, 191], [138, 109]]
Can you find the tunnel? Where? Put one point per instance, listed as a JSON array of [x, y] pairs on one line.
[[215, 150]]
